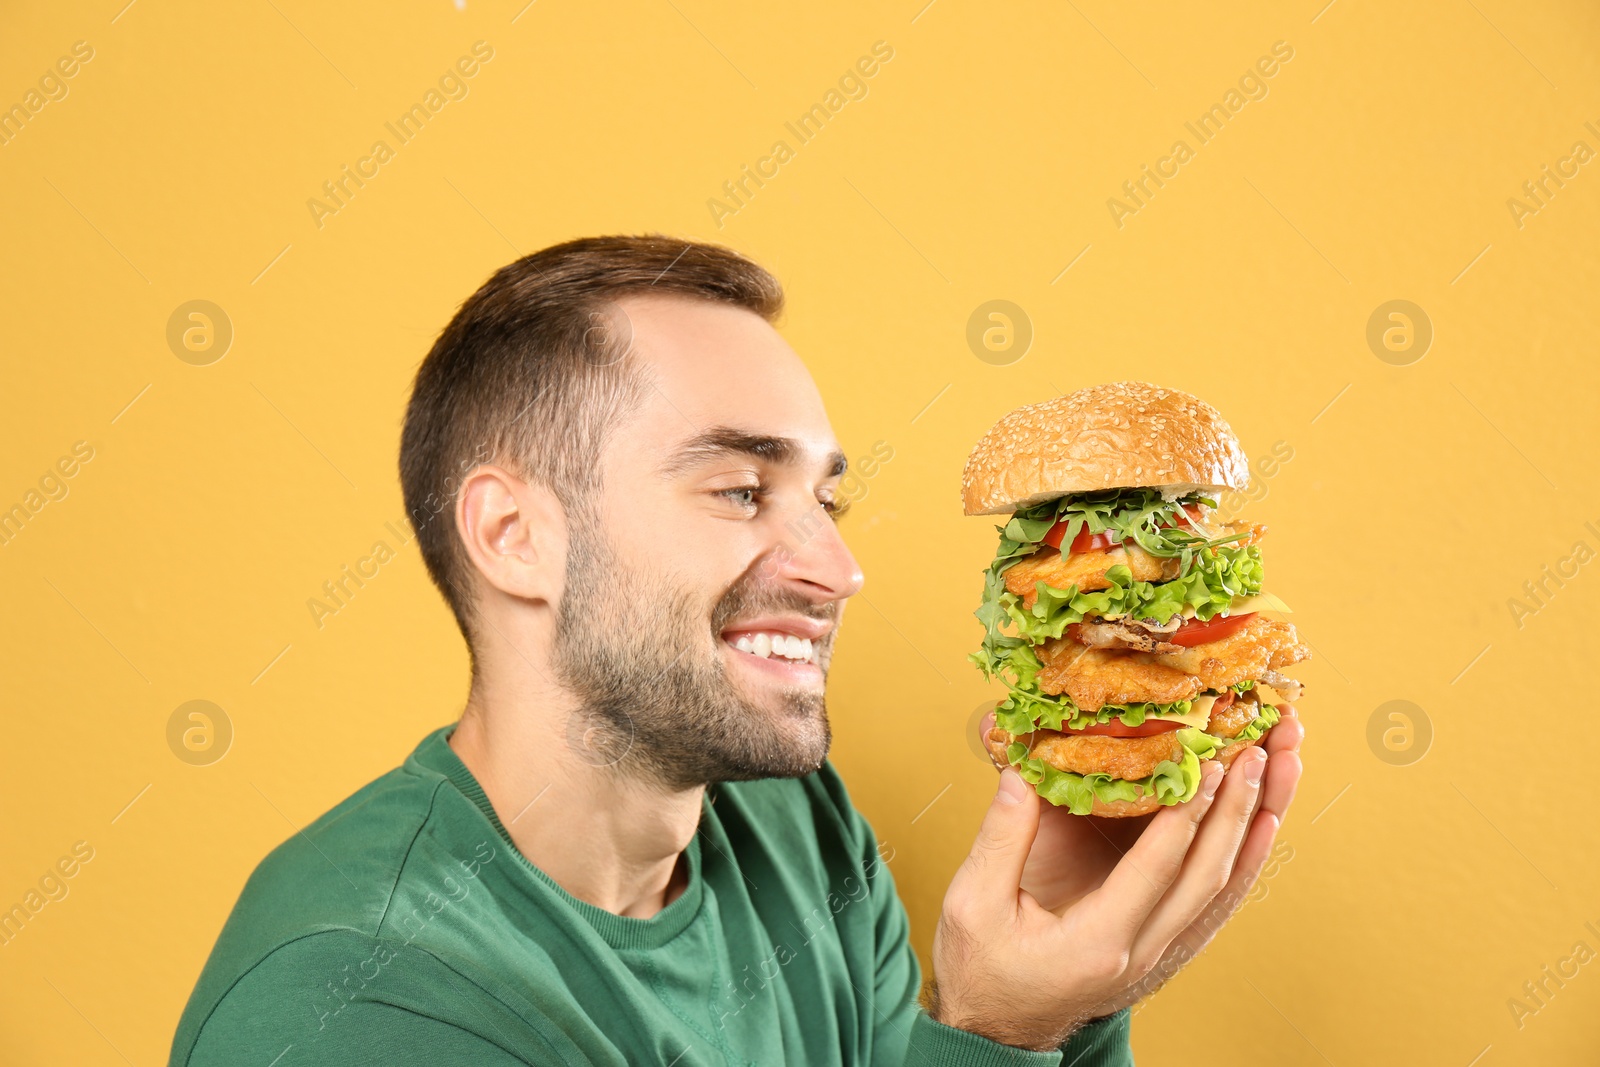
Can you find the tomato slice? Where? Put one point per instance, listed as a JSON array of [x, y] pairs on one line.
[[1084, 542], [1194, 632], [1116, 728], [1088, 542]]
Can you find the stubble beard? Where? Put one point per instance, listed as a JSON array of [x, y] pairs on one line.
[[643, 659]]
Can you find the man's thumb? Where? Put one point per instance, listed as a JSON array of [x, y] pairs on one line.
[[1006, 836]]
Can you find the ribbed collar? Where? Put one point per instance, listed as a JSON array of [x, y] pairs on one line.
[[621, 932]]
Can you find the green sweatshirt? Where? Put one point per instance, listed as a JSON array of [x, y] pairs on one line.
[[404, 927]]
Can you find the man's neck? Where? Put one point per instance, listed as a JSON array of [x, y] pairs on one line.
[[608, 841]]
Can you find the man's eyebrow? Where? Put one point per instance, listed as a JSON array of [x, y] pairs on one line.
[[720, 442]]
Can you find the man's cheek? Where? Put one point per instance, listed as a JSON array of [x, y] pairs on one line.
[[773, 565]]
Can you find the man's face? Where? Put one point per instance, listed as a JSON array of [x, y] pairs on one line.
[[706, 581]]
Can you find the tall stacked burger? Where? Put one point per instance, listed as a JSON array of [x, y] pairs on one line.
[[1125, 617]]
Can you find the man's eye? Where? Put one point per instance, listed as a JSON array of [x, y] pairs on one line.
[[834, 507], [746, 496]]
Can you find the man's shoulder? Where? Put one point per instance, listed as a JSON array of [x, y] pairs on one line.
[[325, 890], [342, 869]]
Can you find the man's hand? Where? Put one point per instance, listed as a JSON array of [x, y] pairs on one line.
[[1055, 919]]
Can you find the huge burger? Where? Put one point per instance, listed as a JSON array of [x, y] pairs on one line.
[[1123, 614]]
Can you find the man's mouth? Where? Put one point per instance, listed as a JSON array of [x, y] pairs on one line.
[[773, 644], [789, 640]]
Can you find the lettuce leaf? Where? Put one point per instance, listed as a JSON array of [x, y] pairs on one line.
[[1211, 572], [1255, 728], [1025, 708], [1209, 585], [1172, 781]]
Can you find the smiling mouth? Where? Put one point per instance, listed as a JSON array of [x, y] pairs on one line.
[[776, 645]]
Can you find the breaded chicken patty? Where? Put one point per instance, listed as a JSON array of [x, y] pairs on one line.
[[1120, 757], [1096, 676], [1261, 645], [1087, 570]]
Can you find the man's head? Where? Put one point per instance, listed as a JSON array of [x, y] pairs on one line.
[[620, 476]]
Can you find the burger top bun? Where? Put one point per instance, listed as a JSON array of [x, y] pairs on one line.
[[1113, 436]]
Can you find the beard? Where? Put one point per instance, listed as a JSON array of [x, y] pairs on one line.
[[643, 658]]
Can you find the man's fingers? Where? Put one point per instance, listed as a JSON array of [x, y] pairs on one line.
[[1283, 778], [1210, 862], [992, 872], [1287, 735], [1252, 857], [1136, 884]]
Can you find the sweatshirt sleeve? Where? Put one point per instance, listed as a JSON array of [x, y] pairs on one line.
[[304, 1005]]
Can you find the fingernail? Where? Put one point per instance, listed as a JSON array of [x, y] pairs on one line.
[[1012, 787], [1211, 779], [1254, 769]]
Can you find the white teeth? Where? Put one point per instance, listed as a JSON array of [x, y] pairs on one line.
[[782, 645]]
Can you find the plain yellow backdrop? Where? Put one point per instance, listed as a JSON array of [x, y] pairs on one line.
[[1412, 898]]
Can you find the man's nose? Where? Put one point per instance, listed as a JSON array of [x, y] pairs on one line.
[[813, 554]]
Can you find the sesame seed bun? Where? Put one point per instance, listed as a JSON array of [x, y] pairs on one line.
[[1112, 436]]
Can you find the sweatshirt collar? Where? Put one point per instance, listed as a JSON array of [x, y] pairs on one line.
[[622, 932]]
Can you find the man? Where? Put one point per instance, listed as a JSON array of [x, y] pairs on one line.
[[631, 849]]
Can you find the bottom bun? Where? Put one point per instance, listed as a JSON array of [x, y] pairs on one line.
[[997, 739], [1123, 809]]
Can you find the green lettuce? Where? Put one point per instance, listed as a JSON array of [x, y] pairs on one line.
[[1256, 727], [1211, 573], [1025, 708], [1171, 782]]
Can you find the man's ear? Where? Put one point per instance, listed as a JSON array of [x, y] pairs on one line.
[[515, 533]]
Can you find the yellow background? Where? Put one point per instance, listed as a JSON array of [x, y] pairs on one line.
[[1412, 902]]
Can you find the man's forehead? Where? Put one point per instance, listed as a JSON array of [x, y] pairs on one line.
[[717, 367]]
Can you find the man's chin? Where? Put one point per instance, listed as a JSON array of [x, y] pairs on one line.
[[785, 738]]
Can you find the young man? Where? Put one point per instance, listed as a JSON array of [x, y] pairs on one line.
[[631, 848]]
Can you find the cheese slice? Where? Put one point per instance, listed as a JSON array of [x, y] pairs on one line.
[[1259, 602], [1198, 716], [1243, 605]]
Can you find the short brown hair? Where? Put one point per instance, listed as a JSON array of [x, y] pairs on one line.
[[531, 373]]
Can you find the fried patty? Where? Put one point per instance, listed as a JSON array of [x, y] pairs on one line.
[[1096, 676], [1087, 570], [1120, 757], [1228, 721], [1261, 645]]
